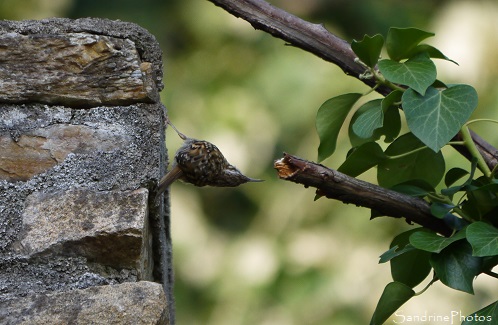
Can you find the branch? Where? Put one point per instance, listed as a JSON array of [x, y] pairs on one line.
[[314, 38], [336, 185]]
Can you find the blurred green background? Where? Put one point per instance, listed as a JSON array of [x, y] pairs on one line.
[[266, 253]]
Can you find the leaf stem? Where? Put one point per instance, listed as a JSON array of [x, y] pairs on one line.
[[406, 153], [434, 279], [456, 143], [383, 81], [461, 143], [469, 143], [440, 198], [481, 120], [371, 90]]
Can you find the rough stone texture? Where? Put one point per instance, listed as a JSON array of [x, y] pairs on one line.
[[109, 228], [73, 69], [42, 148], [146, 45], [128, 303], [21, 276], [128, 165], [75, 175]]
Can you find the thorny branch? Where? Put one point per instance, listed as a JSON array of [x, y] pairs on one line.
[[314, 38], [336, 185]]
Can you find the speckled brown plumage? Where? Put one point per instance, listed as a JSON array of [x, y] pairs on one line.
[[201, 163]]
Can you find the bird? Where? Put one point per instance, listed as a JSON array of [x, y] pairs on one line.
[[201, 163]]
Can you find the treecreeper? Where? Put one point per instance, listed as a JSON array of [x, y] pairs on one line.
[[201, 163]]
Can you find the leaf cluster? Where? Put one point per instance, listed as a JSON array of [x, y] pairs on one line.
[[455, 261], [412, 163]]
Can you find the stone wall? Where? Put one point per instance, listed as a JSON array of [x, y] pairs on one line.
[[81, 147]]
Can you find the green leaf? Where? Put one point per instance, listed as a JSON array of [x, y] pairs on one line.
[[368, 49], [456, 267], [391, 124], [329, 119], [489, 262], [454, 175], [425, 164], [392, 121], [403, 239], [432, 242], [491, 188], [411, 267], [482, 200], [485, 316], [394, 252], [392, 99], [416, 188], [417, 73], [450, 191], [371, 118], [362, 159], [438, 115], [401, 42], [432, 51], [483, 238], [394, 296], [440, 210], [439, 84]]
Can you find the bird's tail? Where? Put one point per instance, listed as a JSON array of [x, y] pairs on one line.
[[171, 176]]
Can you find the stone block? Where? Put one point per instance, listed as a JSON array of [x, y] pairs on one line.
[[109, 228], [40, 149], [127, 303], [73, 69]]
